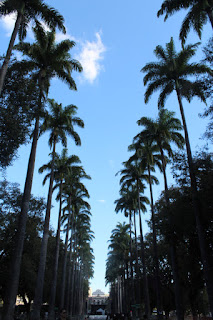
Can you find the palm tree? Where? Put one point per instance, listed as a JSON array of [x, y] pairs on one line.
[[60, 123], [146, 154], [46, 59], [119, 245], [26, 11], [132, 176], [199, 12], [164, 131], [170, 74], [83, 237], [63, 165], [73, 190], [127, 203], [77, 206]]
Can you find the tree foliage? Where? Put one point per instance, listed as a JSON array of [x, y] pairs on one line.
[[18, 101]]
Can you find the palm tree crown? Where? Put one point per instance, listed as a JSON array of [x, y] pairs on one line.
[[172, 72], [27, 10], [199, 12], [164, 130], [32, 10], [46, 59], [60, 121]]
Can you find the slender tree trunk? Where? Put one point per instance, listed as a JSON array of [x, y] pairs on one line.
[[71, 302], [74, 271], [12, 287], [70, 271], [128, 288], [132, 297], [65, 263], [4, 67], [51, 312], [74, 289], [68, 289], [206, 260], [172, 247], [67, 303], [124, 292], [80, 290], [155, 249], [138, 300], [37, 303], [145, 280]]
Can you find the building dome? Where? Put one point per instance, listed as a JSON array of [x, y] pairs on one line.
[[98, 292]]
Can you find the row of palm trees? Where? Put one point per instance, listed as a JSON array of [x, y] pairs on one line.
[[74, 214], [152, 147], [43, 60]]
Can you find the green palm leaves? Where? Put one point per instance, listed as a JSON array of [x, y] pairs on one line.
[[32, 10], [27, 10], [173, 72], [199, 12], [47, 59], [60, 122], [152, 147]]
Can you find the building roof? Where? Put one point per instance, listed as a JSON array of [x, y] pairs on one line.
[[98, 292]]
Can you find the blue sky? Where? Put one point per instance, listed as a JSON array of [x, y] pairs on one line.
[[114, 40]]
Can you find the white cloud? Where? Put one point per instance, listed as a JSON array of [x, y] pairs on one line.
[[8, 23], [90, 57], [61, 36], [102, 201]]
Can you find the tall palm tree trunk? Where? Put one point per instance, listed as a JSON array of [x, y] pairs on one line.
[[207, 267], [128, 288], [125, 292], [73, 278], [145, 280], [68, 287], [155, 249], [67, 302], [69, 278], [138, 300], [12, 287], [131, 260], [71, 270], [4, 67], [74, 288], [71, 302], [172, 247], [80, 303], [51, 313], [43, 253], [65, 262]]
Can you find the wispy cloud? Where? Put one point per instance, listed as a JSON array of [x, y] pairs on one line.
[[91, 54], [91, 57], [101, 201], [8, 23], [61, 36]]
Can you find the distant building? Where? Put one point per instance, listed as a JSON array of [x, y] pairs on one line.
[[97, 302]]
